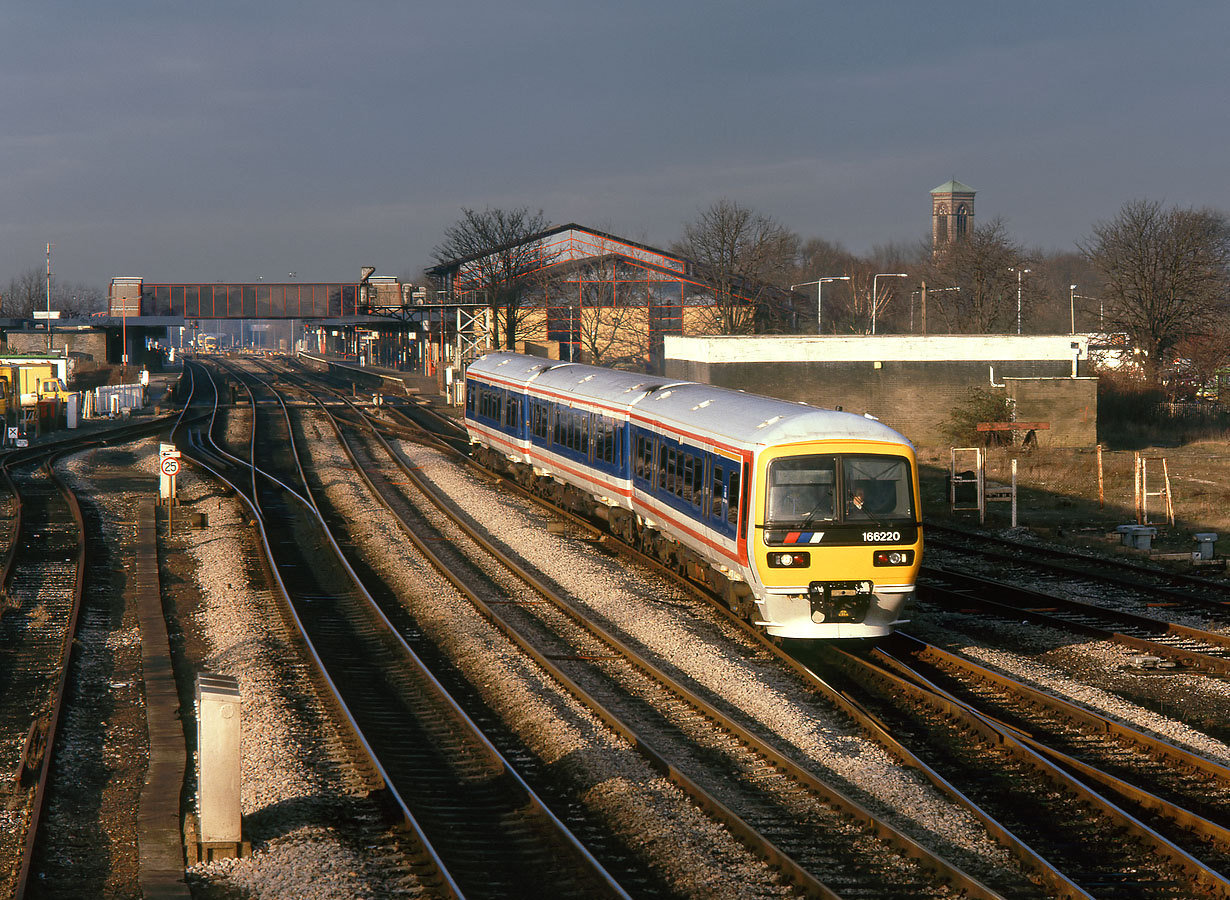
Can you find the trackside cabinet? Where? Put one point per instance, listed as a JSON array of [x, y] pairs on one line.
[[219, 721]]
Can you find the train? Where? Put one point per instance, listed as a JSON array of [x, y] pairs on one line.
[[804, 521]]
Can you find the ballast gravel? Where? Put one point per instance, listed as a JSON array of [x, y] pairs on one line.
[[694, 856], [683, 637], [315, 834], [1094, 674]]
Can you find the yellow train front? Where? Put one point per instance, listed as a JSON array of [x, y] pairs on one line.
[[835, 537]]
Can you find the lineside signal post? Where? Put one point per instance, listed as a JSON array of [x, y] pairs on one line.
[[168, 469]]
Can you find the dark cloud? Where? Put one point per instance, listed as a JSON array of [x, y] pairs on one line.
[[228, 140]]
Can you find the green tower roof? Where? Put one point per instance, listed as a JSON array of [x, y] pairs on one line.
[[952, 186]]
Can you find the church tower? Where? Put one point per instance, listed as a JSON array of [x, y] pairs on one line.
[[952, 213]]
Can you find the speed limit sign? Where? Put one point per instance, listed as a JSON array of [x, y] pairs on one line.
[[170, 465]]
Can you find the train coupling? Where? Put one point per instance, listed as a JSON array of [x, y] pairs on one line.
[[839, 601]]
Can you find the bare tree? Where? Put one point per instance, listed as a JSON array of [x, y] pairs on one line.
[[76, 299], [1165, 275], [494, 254], [25, 293], [1200, 356], [612, 320], [982, 266], [740, 255]]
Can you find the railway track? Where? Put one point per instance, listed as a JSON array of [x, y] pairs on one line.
[[1094, 847], [1105, 880], [1187, 794], [484, 832], [1133, 873], [42, 596], [40, 609], [744, 784], [1182, 587], [1183, 646]]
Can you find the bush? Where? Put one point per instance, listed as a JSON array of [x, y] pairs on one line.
[[982, 405]]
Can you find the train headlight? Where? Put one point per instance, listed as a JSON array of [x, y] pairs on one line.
[[893, 557], [796, 559]]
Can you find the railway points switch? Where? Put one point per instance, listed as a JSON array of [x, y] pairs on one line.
[[219, 718]]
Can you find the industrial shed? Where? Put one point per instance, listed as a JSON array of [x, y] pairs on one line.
[[909, 382]]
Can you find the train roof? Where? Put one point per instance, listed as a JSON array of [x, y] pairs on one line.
[[715, 412]]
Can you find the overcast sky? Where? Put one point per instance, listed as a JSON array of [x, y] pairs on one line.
[[226, 141]]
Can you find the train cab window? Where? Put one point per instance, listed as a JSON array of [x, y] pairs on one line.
[[802, 489], [471, 387], [876, 488]]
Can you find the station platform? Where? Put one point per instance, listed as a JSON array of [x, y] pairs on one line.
[[428, 387]]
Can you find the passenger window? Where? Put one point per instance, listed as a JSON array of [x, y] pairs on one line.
[[732, 504], [718, 484]]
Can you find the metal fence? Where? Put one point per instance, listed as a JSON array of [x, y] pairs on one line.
[[112, 399]]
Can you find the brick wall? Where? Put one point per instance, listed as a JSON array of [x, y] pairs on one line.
[[1068, 405]]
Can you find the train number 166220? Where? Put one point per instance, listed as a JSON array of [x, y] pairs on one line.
[[893, 537]]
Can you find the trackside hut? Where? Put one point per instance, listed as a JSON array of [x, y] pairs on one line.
[[911, 383]]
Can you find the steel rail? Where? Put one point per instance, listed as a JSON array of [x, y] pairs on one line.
[[746, 832], [1088, 720], [412, 821], [1038, 606], [928, 692]]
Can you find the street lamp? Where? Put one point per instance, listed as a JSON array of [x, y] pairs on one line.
[[820, 293], [874, 295], [914, 294], [1019, 273], [1101, 310], [1072, 306]]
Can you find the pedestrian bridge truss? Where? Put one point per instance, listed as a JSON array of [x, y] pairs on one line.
[[292, 300]]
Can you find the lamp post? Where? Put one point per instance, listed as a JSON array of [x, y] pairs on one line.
[[914, 294], [875, 295], [1019, 273], [49, 298], [1072, 306], [820, 293], [1101, 325]]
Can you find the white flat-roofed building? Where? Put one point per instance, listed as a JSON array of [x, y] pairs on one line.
[[910, 382]]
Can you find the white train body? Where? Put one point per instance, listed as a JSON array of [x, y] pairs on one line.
[[806, 519]]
